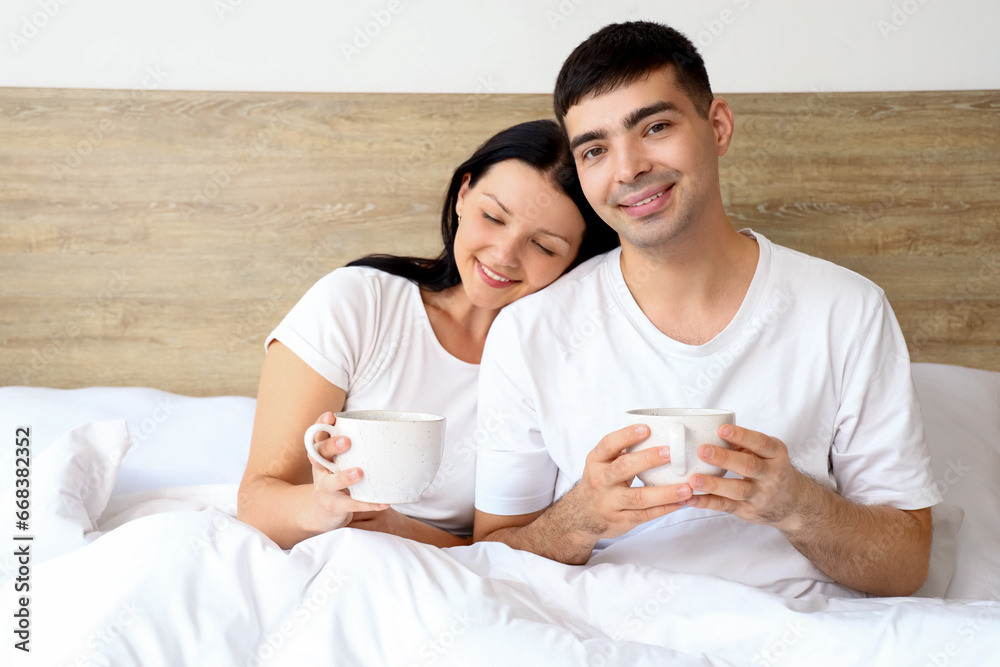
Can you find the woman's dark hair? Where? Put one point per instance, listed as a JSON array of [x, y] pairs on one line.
[[622, 53], [538, 143]]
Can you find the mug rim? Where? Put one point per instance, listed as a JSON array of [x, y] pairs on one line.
[[397, 416], [681, 412]]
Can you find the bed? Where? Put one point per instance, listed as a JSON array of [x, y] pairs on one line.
[[151, 239]]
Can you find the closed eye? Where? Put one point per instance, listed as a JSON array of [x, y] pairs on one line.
[[544, 249], [492, 219]]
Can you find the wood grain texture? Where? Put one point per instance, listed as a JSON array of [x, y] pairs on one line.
[[155, 238]]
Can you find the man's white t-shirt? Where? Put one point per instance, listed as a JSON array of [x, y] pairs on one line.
[[367, 332], [814, 357]]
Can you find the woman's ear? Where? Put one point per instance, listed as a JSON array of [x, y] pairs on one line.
[[462, 192]]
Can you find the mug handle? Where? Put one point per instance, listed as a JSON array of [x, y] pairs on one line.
[[678, 449], [311, 446]]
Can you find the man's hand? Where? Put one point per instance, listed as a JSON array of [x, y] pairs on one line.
[[771, 491], [603, 503], [873, 548]]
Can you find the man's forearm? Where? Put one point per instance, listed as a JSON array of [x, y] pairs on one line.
[[556, 534], [872, 548]]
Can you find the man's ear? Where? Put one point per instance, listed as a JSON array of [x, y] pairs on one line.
[[721, 118]]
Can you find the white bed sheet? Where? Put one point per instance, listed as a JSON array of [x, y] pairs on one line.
[[169, 577], [174, 579]]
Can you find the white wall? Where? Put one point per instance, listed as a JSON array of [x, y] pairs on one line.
[[497, 45]]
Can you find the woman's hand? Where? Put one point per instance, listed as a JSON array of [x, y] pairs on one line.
[[332, 504], [385, 521]]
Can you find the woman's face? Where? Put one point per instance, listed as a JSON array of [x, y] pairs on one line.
[[518, 232]]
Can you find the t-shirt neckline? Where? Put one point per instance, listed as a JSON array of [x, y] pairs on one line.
[[744, 315]]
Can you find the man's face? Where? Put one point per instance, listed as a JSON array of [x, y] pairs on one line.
[[648, 162]]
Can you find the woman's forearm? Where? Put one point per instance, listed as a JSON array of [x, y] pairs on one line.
[[282, 511], [419, 531]]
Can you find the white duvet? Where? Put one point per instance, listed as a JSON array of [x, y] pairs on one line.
[[170, 578]]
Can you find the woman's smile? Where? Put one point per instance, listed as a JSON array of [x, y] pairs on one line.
[[493, 278]]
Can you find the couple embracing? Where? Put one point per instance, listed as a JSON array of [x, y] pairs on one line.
[[608, 228]]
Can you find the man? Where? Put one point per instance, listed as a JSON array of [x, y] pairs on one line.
[[829, 483]]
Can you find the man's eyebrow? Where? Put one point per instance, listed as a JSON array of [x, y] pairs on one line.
[[642, 113], [585, 138], [494, 198]]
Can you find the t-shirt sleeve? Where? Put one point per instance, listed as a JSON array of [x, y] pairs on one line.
[[514, 472], [879, 453], [333, 326]]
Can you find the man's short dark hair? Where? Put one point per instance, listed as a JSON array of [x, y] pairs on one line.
[[622, 53]]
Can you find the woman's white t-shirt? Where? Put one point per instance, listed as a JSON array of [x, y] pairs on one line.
[[367, 332]]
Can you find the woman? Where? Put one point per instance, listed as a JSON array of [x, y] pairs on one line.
[[407, 334]]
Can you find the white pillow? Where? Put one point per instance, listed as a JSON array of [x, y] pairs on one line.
[[176, 440], [961, 410], [947, 522], [80, 471]]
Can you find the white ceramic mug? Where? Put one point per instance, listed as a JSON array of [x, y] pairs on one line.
[[683, 430], [398, 452]]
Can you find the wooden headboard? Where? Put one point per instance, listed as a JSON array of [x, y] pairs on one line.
[[155, 238]]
